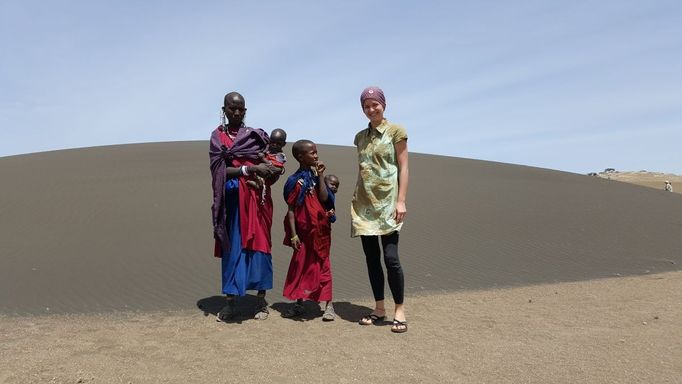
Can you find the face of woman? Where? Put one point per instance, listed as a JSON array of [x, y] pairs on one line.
[[235, 110], [373, 110]]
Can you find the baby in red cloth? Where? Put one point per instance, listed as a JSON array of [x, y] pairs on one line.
[[272, 155]]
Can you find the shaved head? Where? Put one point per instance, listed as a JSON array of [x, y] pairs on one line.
[[300, 146], [278, 134], [233, 97]]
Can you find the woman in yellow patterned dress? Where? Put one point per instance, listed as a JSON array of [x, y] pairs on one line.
[[378, 206]]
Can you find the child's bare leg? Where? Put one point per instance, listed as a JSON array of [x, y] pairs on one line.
[[256, 182]]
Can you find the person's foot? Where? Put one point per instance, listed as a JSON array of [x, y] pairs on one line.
[[227, 313], [294, 311], [399, 323], [329, 314], [399, 326], [377, 316], [262, 311]]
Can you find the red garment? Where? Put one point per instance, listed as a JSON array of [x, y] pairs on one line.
[[274, 159], [255, 218], [309, 276]]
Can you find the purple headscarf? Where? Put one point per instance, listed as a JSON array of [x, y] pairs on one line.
[[373, 93]]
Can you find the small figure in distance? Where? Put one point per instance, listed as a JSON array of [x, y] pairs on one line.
[[668, 186]]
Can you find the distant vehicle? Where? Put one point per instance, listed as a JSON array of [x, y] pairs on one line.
[[609, 170], [592, 174]]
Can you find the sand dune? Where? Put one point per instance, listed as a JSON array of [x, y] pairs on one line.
[[128, 228]]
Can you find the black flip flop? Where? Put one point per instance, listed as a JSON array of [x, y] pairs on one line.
[[371, 319], [399, 326]]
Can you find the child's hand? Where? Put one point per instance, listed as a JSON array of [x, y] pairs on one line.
[[295, 242], [320, 168]]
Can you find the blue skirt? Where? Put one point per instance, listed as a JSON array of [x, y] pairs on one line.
[[242, 269]]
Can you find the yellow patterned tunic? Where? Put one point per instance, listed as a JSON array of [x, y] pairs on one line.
[[376, 191]]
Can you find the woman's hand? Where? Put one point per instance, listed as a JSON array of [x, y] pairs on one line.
[[265, 170], [400, 211]]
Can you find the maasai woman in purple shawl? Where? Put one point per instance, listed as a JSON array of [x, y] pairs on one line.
[[241, 224]]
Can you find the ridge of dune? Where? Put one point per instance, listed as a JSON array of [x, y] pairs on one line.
[[644, 178]]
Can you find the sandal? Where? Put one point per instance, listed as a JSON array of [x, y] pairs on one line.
[[262, 311], [227, 313], [371, 319], [296, 310], [399, 326], [262, 314]]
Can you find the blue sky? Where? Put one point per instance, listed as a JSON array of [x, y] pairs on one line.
[[577, 86]]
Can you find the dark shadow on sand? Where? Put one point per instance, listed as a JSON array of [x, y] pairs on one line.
[[351, 312], [344, 311], [246, 307], [312, 310]]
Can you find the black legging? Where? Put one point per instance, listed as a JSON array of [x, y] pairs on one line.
[[396, 281]]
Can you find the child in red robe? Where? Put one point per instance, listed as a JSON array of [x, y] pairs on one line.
[[308, 231]]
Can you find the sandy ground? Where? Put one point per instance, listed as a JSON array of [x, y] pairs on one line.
[[616, 330]]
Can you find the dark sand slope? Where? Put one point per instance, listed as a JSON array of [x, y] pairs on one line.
[[128, 228]]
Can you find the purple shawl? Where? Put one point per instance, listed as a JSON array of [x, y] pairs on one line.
[[247, 145]]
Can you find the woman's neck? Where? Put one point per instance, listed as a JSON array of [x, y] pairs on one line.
[[230, 130], [375, 124]]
